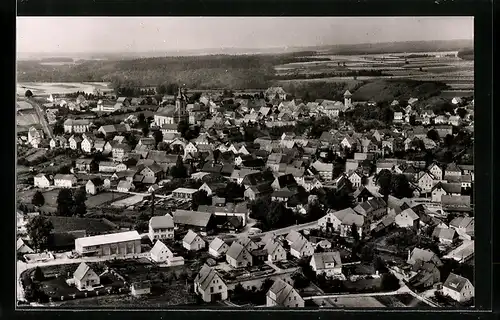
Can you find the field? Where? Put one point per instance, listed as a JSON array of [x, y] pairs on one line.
[[91, 226], [127, 202], [47, 88], [103, 198], [356, 302]]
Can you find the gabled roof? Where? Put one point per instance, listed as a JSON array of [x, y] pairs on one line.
[[216, 244], [161, 222], [409, 213], [81, 271], [281, 290], [444, 233], [190, 237], [205, 276], [455, 282], [323, 258], [159, 247], [235, 250], [423, 255], [193, 218]]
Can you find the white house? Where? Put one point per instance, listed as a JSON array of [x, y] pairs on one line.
[[275, 251], [458, 288], [217, 247], [161, 227], [85, 278], [160, 252], [407, 219], [301, 248], [282, 294], [41, 181], [237, 256], [328, 263], [64, 180], [210, 285], [192, 241]]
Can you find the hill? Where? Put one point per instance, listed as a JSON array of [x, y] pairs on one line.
[[201, 72], [389, 90]]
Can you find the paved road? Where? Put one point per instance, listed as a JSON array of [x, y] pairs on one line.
[[41, 117]]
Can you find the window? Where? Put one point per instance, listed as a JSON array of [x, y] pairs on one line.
[[211, 289], [220, 287]]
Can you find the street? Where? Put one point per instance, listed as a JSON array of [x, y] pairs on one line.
[[41, 117]]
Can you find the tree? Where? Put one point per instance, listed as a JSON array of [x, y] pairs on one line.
[[65, 203], [232, 191], [179, 170], [433, 135], [200, 198], [39, 229], [448, 140], [145, 131], [400, 186], [38, 199], [379, 265], [58, 128], [38, 275], [461, 112], [28, 94], [384, 179], [79, 198], [183, 128], [389, 282], [315, 212], [158, 135], [161, 89]]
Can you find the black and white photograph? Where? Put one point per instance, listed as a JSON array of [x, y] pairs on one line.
[[245, 162]]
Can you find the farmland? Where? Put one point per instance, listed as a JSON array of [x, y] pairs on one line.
[[47, 88], [103, 198], [127, 202]]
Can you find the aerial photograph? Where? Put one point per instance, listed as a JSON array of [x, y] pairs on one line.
[[244, 162]]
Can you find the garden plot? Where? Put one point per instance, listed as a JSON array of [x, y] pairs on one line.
[[127, 202]]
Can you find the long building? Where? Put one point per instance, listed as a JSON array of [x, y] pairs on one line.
[[109, 244]]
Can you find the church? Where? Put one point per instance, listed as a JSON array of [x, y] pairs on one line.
[[174, 114]]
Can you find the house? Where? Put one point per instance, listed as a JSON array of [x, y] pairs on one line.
[[114, 129], [407, 219], [356, 179], [255, 192], [327, 263], [76, 126], [301, 248], [275, 251], [452, 169], [161, 228], [247, 243], [212, 188], [423, 255], [184, 193], [75, 142], [275, 92], [282, 294], [193, 242], [94, 186], [284, 181], [107, 166], [57, 142], [237, 256], [325, 170], [119, 152], [373, 209], [436, 171], [445, 235], [64, 180], [342, 221], [209, 285], [217, 247], [140, 288], [425, 181], [441, 189], [458, 288], [21, 247], [125, 186], [41, 181], [160, 252], [427, 274], [85, 278], [202, 222], [464, 227]]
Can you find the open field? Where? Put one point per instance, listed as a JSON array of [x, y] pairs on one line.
[[127, 202], [356, 302], [47, 88], [103, 198], [91, 226], [401, 301]]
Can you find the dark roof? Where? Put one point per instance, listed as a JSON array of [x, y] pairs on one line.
[[455, 282], [193, 218], [286, 180], [257, 178]]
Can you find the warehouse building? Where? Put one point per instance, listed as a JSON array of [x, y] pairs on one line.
[[109, 244]]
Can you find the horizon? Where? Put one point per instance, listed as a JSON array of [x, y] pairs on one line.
[[43, 35]]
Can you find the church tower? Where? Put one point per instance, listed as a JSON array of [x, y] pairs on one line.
[[180, 106], [347, 99]]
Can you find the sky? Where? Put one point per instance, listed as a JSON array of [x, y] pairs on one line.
[[143, 34]]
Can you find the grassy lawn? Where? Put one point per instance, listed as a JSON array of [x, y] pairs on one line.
[[103, 198], [91, 226], [57, 287], [363, 285], [51, 197]]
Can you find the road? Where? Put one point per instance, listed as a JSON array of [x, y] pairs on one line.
[[41, 117]]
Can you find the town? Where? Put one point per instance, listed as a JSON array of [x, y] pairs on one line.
[[169, 196]]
